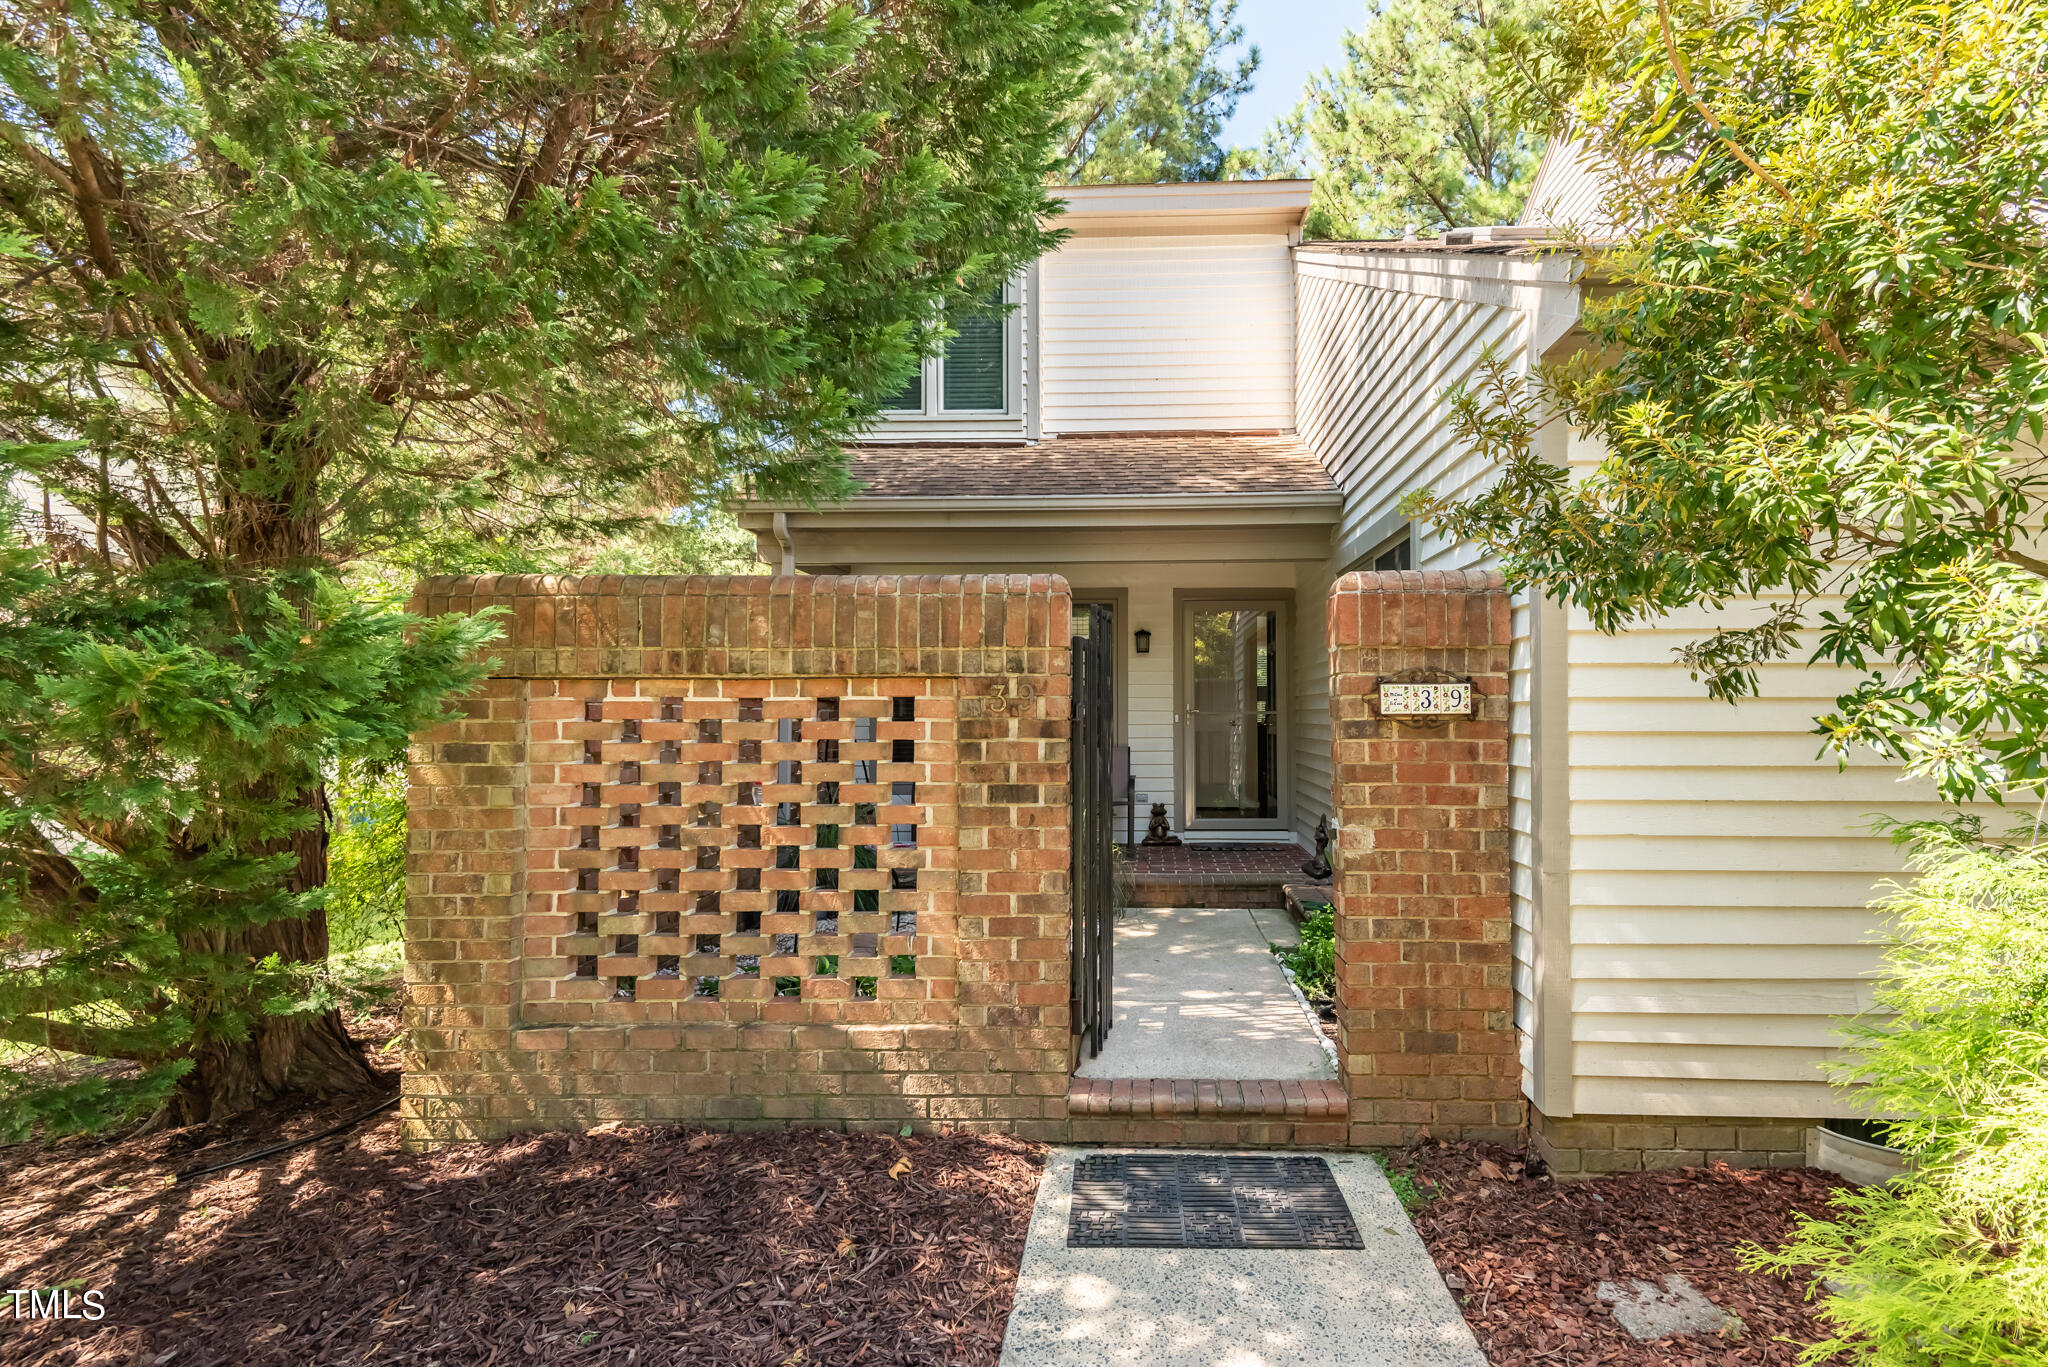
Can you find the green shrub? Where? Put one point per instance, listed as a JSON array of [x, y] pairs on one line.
[[1948, 1265], [366, 860], [1314, 960]]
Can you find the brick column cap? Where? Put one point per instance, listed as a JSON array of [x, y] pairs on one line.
[[654, 625], [1420, 581]]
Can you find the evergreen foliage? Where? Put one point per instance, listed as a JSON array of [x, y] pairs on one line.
[[1419, 126], [292, 288], [699, 538], [1820, 376], [1948, 1267], [502, 265], [1161, 90], [163, 732]]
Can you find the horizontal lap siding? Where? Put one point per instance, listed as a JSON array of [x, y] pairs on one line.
[[1149, 696], [1375, 367], [1312, 773], [1721, 870], [1522, 827], [1567, 193], [1168, 334], [1720, 867]]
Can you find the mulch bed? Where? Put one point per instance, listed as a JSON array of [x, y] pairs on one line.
[[643, 1246], [1523, 1255]]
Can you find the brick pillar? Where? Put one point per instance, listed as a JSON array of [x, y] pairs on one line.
[[1424, 998], [465, 883]]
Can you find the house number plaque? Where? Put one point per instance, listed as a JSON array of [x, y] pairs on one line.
[[1426, 699]]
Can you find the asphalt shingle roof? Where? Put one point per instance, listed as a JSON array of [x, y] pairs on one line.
[[1109, 466]]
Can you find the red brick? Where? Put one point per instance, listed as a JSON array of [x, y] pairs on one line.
[[1422, 810]]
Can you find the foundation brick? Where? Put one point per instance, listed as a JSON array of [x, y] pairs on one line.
[[1589, 1145]]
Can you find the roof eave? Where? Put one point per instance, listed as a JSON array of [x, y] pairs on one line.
[[1028, 504], [1033, 509]]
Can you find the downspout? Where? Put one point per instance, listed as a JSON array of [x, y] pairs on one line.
[[782, 539]]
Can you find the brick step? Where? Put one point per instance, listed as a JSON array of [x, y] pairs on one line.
[[1167, 1096], [1208, 889]]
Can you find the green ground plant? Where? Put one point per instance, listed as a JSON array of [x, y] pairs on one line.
[[1948, 1265], [1314, 961], [1406, 1189]]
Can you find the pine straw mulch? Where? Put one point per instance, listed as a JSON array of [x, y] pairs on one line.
[[1523, 1255], [643, 1246]]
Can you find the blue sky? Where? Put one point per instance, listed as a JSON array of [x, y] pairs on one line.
[[1295, 37]]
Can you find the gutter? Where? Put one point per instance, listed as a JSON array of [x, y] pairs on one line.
[[1028, 504], [784, 540]]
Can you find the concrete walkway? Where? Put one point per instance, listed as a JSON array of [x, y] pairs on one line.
[[1198, 994], [1382, 1306]]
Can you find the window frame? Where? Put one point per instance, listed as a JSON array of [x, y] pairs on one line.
[[934, 380], [1396, 548]]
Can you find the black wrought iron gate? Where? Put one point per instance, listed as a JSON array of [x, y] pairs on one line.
[[1094, 872]]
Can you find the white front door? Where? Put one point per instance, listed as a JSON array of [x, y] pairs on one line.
[[1232, 723]]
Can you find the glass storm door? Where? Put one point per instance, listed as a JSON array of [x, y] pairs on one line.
[[1231, 714]]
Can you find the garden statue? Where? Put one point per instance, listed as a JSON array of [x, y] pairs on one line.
[[1318, 867], [1156, 830]]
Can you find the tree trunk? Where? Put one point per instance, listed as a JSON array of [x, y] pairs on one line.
[[277, 527], [312, 1055], [306, 1055]]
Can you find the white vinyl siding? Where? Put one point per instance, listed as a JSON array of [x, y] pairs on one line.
[[1716, 869], [1568, 193], [1720, 873], [1148, 690], [1168, 334], [1375, 366], [1311, 733]]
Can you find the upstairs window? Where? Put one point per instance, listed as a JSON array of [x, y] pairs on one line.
[[972, 375]]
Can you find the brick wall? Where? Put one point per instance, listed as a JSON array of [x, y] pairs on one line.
[[1588, 1145], [745, 851], [1424, 997]]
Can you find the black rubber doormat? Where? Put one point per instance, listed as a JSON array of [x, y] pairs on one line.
[[1170, 1200]]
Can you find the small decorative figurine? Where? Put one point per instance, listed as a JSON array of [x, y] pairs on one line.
[[1318, 868], [1156, 830]]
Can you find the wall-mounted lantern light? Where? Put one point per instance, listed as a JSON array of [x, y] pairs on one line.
[[1144, 639]]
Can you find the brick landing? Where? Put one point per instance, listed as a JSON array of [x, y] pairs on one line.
[[1195, 875]]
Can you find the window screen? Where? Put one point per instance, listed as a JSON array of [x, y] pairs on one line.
[[1400, 556], [972, 377], [910, 398]]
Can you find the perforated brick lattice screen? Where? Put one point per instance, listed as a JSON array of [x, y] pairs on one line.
[[743, 852], [721, 843]]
